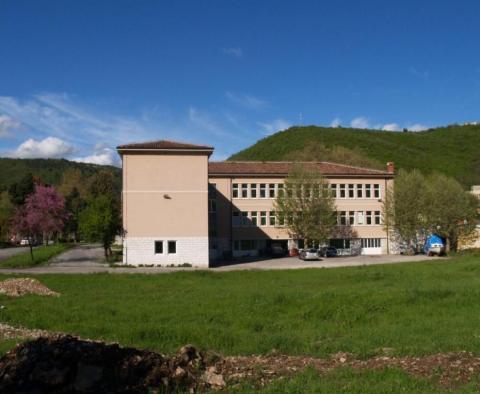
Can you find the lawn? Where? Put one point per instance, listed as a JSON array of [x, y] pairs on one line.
[[40, 256], [414, 308]]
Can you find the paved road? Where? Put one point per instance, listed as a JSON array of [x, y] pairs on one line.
[[87, 259], [8, 252]]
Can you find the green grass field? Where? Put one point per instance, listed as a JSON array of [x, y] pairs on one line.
[[40, 256], [414, 308]]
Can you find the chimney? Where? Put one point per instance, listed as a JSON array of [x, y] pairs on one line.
[[391, 167]]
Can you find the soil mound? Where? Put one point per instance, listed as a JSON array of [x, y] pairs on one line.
[[16, 287], [66, 364]]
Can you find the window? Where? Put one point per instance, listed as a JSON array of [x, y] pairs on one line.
[[244, 215], [360, 217], [376, 191], [172, 247], [371, 243], [359, 191], [271, 190], [235, 218], [254, 218], [248, 244], [272, 218], [340, 243], [235, 190], [333, 190], [342, 191], [263, 218], [343, 218], [369, 217], [253, 190], [351, 218], [263, 190], [158, 247], [244, 190], [368, 191], [378, 217], [280, 189], [351, 191]]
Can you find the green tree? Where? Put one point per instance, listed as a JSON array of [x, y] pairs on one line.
[[21, 189], [104, 183], [450, 211], [404, 207], [306, 206], [74, 204], [100, 222], [6, 213]]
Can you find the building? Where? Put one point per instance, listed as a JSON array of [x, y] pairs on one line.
[[473, 241], [180, 208]]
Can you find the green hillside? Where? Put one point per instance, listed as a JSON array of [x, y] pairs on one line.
[[452, 150], [49, 171]]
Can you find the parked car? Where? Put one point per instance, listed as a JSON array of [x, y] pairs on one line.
[[328, 251], [434, 245], [309, 254], [24, 242]]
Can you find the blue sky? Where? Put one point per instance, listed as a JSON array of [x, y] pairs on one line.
[[78, 78]]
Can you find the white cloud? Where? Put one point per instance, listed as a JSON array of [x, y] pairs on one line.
[[247, 101], [275, 125], [233, 51], [8, 125], [360, 122], [336, 122], [390, 127], [50, 147], [105, 156], [417, 127]]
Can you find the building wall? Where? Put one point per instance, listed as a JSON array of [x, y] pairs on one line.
[[165, 198], [227, 203]]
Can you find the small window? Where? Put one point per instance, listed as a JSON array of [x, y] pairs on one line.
[[351, 191], [333, 190], [351, 218], [360, 217], [253, 190], [272, 218], [263, 218], [244, 218], [244, 190], [378, 217], [369, 217], [158, 247], [263, 190], [172, 247], [342, 191], [271, 190], [368, 191], [359, 191], [254, 218], [235, 218], [235, 190], [343, 218], [376, 191]]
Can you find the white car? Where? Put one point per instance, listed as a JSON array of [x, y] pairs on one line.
[[309, 254], [24, 242], [436, 249]]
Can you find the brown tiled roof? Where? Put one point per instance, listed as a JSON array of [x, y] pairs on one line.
[[279, 168], [163, 144]]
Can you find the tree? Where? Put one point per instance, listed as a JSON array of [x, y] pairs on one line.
[[100, 221], [42, 215], [450, 212], [74, 204], [21, 189], [306, 206], [103, 183], [6, 212], [404, 207], [72, 179]]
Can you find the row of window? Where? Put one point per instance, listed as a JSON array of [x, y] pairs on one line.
[[371, 243], [359, 218], [171, 247], [271, 190], [252, 244]]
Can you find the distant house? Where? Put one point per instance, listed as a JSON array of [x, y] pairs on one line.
[[180, 208], [472, 242]]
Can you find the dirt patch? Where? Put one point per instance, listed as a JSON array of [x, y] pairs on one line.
[[62, 363], [8, 332], [16, 287]]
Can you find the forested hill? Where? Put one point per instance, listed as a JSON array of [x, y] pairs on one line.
[[48, 171], [452, 150]]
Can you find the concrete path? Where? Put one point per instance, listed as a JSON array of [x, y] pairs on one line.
[[8, 252], [86, 259]]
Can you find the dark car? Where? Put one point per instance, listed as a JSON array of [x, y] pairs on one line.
[[328, 251]]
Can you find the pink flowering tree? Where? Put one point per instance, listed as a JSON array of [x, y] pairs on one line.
[[43, 215]]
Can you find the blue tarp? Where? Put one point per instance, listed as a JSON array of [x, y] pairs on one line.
[[433, 239]]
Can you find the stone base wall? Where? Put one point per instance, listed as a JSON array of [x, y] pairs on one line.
[[191, 250]]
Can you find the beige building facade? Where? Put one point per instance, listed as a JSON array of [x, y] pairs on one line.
[[179, 208]]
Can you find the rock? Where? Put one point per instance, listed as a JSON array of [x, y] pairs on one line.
[[213, 379]]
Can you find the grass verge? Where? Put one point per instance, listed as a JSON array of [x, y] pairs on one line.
[[41, 255]]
